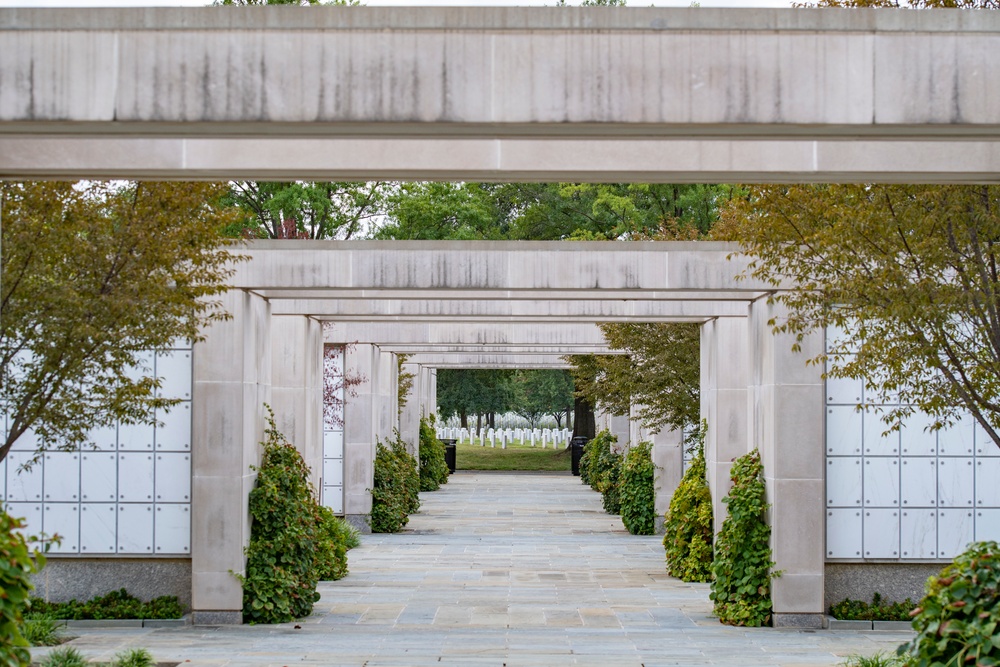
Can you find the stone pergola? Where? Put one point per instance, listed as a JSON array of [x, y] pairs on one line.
[[557, 94], [755, 391]]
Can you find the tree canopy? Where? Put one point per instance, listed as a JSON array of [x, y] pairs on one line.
[[540, 392], [92, 275], [658, 373], [910, 273]]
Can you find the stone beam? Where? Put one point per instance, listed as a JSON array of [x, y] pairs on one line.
[[500, 94], [546, 268], [472, 360], [541, 308], [391, 335]]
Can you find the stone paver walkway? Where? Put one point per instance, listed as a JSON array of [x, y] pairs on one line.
[[502, 570]]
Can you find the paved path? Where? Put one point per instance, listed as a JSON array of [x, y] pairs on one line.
[[503, 570]]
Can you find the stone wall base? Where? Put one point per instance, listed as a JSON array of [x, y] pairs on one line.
[[797, 620], [217, 618], [64, 579], [894, 581], [359, 521]]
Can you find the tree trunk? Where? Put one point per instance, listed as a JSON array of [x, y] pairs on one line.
[[465, 419], [558, 416], [584, 423]]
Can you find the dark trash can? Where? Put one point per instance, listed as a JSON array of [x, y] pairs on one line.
[[576, 452], [450, 453]]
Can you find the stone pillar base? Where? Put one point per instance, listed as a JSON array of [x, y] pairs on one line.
[[798, 620], [659, 525], [359, 521], [217, 618]]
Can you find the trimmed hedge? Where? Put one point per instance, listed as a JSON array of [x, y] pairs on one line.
[[17, 563], [115, 605], [688, 530], [741, 570], [397, 487], [433, 468], [636, 490], [958, 621]]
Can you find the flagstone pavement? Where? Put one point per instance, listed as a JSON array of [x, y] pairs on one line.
[[501, 569]]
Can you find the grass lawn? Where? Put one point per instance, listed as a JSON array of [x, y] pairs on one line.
[[515, 457]]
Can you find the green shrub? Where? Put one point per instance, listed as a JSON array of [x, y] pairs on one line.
[[638, 503], [878, 610], [590, 462], [609, 469], [433, 468], [64, 657], [741, 570], [331, 545], [133, 657], [958, 620], [17, 563], [281, 574], [689, 533], [396, 490], [115, 605]]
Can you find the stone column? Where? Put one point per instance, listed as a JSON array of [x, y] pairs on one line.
[[232, 381], [409, 417], [297, 386], [360, 360], [724, 380], [621, 427], [668, 457], [787, 417]]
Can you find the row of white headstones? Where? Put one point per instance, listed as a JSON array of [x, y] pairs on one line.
[[535, 437]]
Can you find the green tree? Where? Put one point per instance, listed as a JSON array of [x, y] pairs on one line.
[[465, 392], [304, 210], [92, 275], [658, 373], [910, 273], [543, 392]]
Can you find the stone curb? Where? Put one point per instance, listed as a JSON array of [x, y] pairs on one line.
[[882, 626], [837, 624], [130, 623], [893, 626]]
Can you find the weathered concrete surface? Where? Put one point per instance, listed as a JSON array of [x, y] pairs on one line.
[[502, 569], [660, 95]]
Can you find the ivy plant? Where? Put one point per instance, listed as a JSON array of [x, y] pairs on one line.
[[638, 503], [433, 468], [281, 574], [958, 620], [590, 462], [688, 527], [17, 563], [741, 570]]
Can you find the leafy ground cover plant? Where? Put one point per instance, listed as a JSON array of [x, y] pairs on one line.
[[879, 659], [110, 606], [741, 569], [64, 657], [281, 573], [878, 610], [688, 530], [958, 620], [433, 469], [636, 492], [133, 657], [42, 631], [17, 563]]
